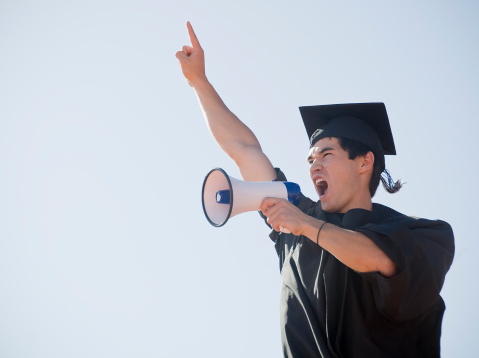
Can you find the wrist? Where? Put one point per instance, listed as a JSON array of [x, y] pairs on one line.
[[311, 227], [198, 81], [319, 232]]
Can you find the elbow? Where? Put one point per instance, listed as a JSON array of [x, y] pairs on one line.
[[387, 268], [238, 151]]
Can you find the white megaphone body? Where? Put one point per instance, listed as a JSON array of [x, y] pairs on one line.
[[224, 196]]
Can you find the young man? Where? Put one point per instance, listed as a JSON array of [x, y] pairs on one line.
[[358, 279]]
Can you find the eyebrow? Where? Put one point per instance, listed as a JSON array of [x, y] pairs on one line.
[[320, 152]]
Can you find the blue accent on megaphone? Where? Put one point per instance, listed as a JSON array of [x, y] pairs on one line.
[[223, 197], [294, 192]]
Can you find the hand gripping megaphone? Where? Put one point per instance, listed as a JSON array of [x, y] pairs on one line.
[[224, 196]]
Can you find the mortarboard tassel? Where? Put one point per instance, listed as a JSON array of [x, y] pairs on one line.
[[389, 184]]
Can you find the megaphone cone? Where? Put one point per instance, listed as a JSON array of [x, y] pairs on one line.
[[224, 196]]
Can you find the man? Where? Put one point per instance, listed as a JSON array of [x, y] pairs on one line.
[[358, 279]]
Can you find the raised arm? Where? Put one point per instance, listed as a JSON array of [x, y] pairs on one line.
[[232, 135]]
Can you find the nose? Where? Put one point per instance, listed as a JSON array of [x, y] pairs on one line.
[[316, 165]]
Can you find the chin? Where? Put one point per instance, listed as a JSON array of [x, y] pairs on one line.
[[327, 208], [332, 207], [330, 210]]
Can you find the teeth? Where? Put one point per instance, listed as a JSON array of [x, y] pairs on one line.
[[319, 181]]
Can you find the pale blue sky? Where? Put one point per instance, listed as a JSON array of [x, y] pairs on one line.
[[104, 248]]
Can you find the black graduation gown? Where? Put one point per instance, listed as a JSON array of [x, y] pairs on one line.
[[329, 310]]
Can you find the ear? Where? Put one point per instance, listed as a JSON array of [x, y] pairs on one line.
[[366, 163]]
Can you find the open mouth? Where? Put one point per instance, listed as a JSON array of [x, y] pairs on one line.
[[321, 186]]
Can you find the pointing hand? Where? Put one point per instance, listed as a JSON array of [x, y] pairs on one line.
[[192, 58]]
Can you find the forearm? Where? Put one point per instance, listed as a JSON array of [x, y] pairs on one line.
[[226, 128], [352, 248]]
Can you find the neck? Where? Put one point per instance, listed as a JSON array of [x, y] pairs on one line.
[[362, 199]]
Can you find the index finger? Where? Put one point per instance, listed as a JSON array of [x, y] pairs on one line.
[[194, 40], [267, 203]]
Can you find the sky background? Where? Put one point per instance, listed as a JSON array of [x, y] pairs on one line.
[[104, 247]]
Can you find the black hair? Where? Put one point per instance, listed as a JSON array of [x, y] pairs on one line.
[[356, 149]]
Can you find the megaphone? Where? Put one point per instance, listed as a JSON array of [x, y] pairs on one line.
[[224, 196]]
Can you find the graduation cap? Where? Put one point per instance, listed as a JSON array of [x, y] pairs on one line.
[[366, 123]]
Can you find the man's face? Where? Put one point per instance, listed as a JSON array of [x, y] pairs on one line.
[[335, 176]]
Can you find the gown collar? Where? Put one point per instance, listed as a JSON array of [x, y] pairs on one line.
[[352, 219]]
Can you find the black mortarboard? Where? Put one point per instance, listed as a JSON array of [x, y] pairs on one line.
[[366, 123]]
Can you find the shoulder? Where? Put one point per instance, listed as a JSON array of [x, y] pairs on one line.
[[384, 214], [386, 219]]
